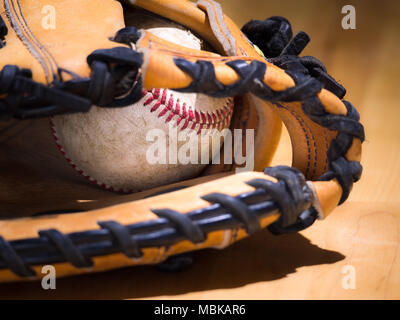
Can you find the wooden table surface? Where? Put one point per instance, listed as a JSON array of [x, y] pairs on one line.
[[363, 235]]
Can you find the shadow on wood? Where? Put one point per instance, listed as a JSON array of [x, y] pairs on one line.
[[261, 258]]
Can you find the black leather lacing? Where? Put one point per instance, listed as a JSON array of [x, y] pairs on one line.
[[274, 37], [13, 261], [114, 82], [271, 35], [67, 248], [238, 208], [183, 224], [309, 75], [25, 98], [290, 194], [225, 212], [128, 244]]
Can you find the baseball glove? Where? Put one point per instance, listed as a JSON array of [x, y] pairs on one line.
[[92, 58]]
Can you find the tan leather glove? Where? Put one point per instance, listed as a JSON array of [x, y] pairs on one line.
[[72, 67]]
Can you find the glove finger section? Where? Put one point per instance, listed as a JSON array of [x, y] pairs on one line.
[[131, 234]]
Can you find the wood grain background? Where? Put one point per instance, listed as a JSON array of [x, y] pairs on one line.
[[363, 233]]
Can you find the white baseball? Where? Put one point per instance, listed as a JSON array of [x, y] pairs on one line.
[[108, 146]]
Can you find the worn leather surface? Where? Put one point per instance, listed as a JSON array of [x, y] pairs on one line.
[[36, 179], [32, 44]]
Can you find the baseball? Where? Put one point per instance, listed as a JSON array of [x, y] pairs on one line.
[[110, 146]]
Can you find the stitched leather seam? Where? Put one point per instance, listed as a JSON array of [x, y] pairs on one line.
[[300, 121], [326, 165], [315, 147], [22, 30]]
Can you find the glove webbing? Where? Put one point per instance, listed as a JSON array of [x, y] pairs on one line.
[[302, 70], [274, 37]]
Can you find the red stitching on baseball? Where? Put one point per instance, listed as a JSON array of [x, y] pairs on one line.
[[210, 120], [77, 169], [217, 119]]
